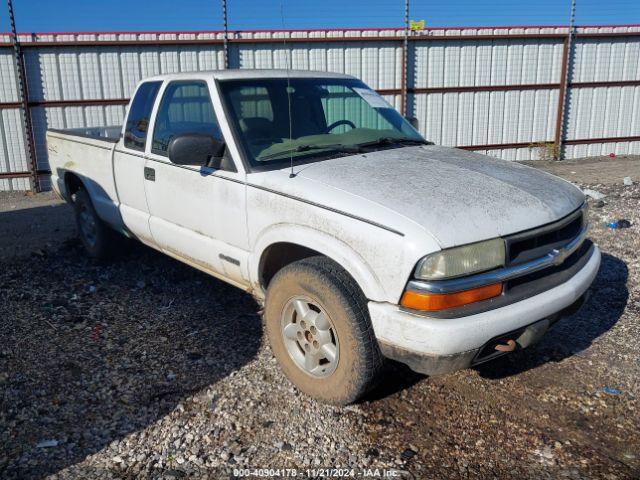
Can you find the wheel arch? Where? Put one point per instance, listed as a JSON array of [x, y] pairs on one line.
[[283, 244], [72, 183]]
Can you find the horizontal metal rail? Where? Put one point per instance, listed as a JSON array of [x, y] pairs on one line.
[[584, 141], [4, 175], [503, 146], [9, 105], [382, 91], [534, 144], [35, 43], [79, 103]]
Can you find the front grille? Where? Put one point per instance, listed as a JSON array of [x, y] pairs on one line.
[[532, 244], [548, 276]]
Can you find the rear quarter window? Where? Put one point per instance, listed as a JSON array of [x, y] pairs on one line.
[[135, 134]]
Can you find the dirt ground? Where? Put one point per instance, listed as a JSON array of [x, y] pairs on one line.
[[594, 170], [30, 223], [146, 368]]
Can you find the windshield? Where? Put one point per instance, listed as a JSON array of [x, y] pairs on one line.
[[312, 118]]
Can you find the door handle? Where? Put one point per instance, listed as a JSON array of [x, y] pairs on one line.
[[149, 174]]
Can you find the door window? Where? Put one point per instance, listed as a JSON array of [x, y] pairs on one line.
[[135, 134], [185, 108]]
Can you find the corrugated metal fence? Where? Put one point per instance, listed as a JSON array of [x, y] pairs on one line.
[[493, 90]]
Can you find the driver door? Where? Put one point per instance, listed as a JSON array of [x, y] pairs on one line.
[[197, 213]]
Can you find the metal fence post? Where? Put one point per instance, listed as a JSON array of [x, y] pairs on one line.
[[405, 48], [225, 45], [565, 85], [23, 97]]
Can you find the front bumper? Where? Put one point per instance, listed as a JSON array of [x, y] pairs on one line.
[[438, 345]]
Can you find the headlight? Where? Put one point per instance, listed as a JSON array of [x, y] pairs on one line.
[[459, 261]]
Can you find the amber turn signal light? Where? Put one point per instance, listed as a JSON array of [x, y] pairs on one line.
[[432, 302]]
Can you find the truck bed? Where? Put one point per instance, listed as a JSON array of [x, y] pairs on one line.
[[86, 153], [111, 133]]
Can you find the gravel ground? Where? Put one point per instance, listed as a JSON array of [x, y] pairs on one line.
[[146, 368], [28, 223]]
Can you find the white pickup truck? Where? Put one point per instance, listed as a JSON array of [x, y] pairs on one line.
[[361, 239]]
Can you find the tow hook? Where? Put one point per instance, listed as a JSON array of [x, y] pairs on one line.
[[509, 347]]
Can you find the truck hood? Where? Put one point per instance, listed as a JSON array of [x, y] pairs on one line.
[[458, 197]]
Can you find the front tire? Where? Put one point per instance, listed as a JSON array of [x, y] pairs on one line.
[[97, 238], [318, 325]]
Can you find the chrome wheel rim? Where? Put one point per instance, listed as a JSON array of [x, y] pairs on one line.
[[88, 227], [310, 337]]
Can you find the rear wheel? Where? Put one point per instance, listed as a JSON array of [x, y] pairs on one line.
[[98, 239], [320, 332]]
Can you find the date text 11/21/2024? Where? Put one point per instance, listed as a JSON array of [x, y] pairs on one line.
[[316, 473]]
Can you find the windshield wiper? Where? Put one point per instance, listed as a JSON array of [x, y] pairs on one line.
[[384, 141], [306, 148]]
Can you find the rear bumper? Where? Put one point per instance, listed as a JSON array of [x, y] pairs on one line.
[[441, 345]]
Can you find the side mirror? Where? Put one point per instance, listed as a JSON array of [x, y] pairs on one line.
[[413, 121], [196, 149]]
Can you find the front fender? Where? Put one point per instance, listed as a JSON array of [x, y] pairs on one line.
[[328, 245]]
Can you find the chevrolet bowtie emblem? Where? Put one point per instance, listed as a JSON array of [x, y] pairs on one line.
[[559, 256]]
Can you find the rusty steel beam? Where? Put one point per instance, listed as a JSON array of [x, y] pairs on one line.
[[497, 146], [389, 91], [23, 96], [79, 103], [121, 43], [217, 41], [606, 35], [381, 91], [475, 88], [4, 175], [500, 88], [376, 38], [562, 95], [373, 38], [225, 40], [565, 85], [6, 105], [485, 88], [606, 83], [405, 62], [586, 141], [579, 141]]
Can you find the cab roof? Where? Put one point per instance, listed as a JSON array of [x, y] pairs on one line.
[[247, 74]]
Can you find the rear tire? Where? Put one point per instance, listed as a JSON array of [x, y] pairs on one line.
[[318, 325], [98, 239]]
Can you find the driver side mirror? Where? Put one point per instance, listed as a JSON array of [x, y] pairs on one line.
[[196, 149]]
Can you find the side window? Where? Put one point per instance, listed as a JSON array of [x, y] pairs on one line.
[[135, 134], [185, 108]]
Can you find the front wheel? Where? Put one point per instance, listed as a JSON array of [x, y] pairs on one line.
[[318, 325], [98, 239]]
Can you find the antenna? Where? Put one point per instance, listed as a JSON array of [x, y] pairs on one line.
[[284, 41]]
